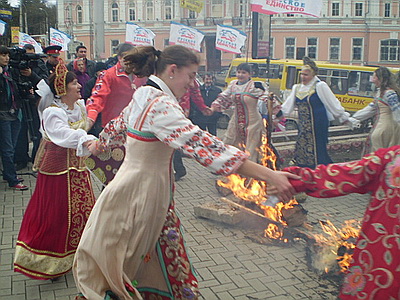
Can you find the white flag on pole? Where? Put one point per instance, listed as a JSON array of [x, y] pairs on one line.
[[27, 39], [2, 27], [305, 7], [59, 38], [229, 39], [138, 36], [186, 36]]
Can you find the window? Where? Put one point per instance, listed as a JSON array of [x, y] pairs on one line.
[[334, 48], [335, 9], [290, 47], [79, 16], [114, 12], [68, 12], [357, 49], [312, 48], [192, 14], [336, 79], [289, 15], [359, 10], [150, 10], [216, 8], [360, 84], [114, 46], [387, 10], [132, 11], [168, 9], [166, 42], [390, 50]]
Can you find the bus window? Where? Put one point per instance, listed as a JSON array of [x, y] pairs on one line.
[[292, 76], [360, 85], [336, 80], [275, 71]]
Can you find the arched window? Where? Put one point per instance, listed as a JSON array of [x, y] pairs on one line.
[[79, 15], [168, 9], [114, 12], [132, 11], [68, 12], [149, 10], [192, 14]]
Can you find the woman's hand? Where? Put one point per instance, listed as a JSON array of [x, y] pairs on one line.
[[94, 147], [208, 112], [279, 179]]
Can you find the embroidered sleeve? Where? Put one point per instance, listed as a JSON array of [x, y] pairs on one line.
[[394, 103], [331, 103], [114, 133], [56, 126], [343, 178], [224, 100], [168, 123], [366, 113]]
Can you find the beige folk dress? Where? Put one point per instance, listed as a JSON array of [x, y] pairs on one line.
[[386, 113], [245, 129], [132, 246]]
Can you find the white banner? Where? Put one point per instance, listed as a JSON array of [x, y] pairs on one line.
[[59, 38], [305, 7], [138, 36], [186, 36], [27, 39], [229, 39], [2, 27]]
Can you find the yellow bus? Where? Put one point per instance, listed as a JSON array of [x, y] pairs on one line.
[[351, 84], [259, 71]]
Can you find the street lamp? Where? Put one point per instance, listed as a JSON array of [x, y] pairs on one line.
[[47, 25], [21, 19]]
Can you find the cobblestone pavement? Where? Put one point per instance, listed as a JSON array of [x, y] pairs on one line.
[[229, 264]]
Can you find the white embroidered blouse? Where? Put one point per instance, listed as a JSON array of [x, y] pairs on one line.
[[166, 120]]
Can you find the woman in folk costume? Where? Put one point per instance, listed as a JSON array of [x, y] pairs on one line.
[[63, 198], [385, 110], [317, 106], [245, 129], [132, 245], [374, 272]]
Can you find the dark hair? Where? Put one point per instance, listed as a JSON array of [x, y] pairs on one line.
[[209, 75], [122, 48], [244, 67], [69, 78], [146, 59], [387, 80], [176, 55], [100, 66], [29, 47], [4, 50], [309, 62], [80, 47], [143, 60]]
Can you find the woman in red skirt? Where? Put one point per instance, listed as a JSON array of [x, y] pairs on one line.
[[63, 196]]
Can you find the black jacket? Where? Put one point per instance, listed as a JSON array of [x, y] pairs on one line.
[[195, 114], [8, 87], [90, 67]]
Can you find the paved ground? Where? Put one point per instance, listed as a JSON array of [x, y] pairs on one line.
[[230, 265]]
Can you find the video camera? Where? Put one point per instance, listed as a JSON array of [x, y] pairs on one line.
[[21, 60]]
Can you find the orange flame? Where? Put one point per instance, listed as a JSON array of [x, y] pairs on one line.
[[343, 238], [256, 191]]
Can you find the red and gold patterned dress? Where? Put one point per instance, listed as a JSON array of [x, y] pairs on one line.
[[245, 129], [132, 246], [63, 198], [375, 269]]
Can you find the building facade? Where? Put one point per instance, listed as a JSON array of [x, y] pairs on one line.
[[348, 32]]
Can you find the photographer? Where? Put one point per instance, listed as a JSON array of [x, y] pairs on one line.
[[28, 70], [9, 121]]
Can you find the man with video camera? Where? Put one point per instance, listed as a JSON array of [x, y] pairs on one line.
[[9, 121], [27, 69]]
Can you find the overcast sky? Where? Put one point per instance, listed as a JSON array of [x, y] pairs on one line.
[[16, 2]]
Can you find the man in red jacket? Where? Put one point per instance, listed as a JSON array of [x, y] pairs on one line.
[[113, 90]]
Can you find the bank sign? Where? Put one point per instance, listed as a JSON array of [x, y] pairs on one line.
[[310, 8]]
